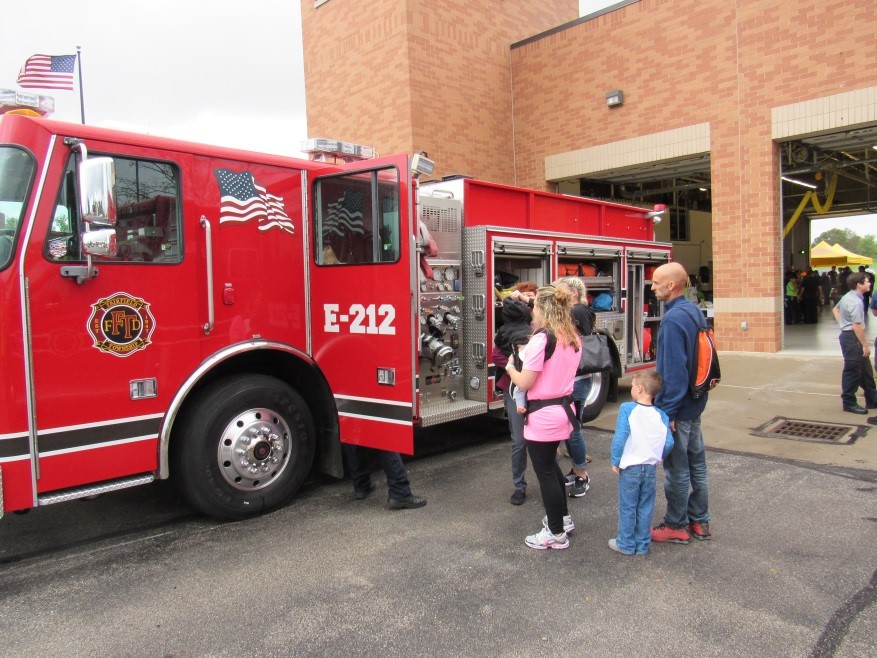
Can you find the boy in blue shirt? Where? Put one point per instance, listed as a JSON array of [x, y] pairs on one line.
[[642, 439]]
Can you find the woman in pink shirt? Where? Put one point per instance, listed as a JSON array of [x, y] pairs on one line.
[[549, 367]]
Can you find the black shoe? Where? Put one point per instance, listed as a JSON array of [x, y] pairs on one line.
[[362, 494], [872, 420], [580, 487], [408, 502], [518, 497], [855, 409], [570, 478]]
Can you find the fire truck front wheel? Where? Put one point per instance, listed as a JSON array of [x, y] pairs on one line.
[[596, 398], [244, 447]]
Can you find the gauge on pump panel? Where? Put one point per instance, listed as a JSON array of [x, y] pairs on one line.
[[437, 274], [450, 274]]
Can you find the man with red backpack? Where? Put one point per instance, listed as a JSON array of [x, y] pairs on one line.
[[685, 481]]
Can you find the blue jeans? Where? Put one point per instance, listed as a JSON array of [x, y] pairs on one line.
[[519, 449], [358, 461], [636, 504], [576, 443], [684, 471]]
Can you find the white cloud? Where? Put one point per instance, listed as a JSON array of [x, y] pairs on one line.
[[860, 225]]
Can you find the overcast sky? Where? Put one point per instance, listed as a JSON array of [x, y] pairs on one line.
[[222, 72], [861, 225]]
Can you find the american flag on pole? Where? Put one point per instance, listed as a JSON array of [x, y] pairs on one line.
[[345, 215], [48, 72], [242, 199]]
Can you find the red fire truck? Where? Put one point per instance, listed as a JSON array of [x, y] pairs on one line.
[[228, 318]]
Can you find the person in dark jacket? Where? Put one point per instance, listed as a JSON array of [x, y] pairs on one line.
[[583, 319], [810, 296], [515, 330], [685, 481]]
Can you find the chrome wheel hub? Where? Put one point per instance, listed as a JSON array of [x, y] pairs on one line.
[[254, 449], [596, 384]]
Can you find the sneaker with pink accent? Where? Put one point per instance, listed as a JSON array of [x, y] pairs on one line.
[[545, 539]]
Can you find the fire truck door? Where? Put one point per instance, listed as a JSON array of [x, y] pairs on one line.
[[362, 322], [107, 351]]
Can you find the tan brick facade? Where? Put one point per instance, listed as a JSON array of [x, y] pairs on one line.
[[421, 75], [684, 62], [410, 74]]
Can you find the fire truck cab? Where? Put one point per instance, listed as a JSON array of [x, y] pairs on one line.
[[227, 319]]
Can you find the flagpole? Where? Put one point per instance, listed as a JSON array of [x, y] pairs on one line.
[[81, 99]]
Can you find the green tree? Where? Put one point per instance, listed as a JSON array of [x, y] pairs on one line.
[[842, 236], [868, 246]]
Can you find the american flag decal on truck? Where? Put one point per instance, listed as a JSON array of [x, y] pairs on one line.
[[242, 200]]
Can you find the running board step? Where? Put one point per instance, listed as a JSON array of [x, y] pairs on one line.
[[94, 489]]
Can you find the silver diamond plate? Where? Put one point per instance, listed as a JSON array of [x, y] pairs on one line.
[[476, 330], [443, 411], [614, 325], [94, 489]]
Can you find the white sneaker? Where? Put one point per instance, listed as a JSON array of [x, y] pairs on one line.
[[546, 539], [568, 525]]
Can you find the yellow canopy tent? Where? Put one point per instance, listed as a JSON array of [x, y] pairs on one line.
[[826, 255]]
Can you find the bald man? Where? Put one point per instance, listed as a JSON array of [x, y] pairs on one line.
[[685, 475]]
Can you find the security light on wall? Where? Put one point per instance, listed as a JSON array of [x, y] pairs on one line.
[[615, 98]]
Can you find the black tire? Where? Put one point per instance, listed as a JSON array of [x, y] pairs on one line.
[[596, 398], [244, 447]]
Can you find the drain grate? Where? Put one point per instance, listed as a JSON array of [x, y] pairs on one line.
[[806, 430]]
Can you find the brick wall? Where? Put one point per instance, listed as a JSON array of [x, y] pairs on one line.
[[430, 75], [683, 62], [438, 76]]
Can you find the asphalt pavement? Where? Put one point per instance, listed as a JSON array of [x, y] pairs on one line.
[[791, 570]]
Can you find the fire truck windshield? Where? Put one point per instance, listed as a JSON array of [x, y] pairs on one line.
[[17, 169]]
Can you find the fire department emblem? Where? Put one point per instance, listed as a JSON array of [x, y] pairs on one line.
[[121, 324]]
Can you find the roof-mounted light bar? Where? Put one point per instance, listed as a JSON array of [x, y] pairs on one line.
[[24, 102], [322, 149]]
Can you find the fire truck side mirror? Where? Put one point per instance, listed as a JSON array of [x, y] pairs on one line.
[[97, 200], [99, 242]]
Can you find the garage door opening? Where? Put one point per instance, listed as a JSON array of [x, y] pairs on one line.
[[684, 185], [828, 187]]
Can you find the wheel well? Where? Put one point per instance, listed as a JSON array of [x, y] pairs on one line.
[[308, 382]]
